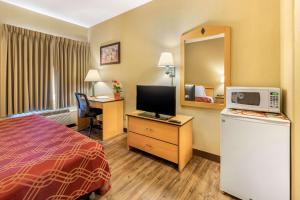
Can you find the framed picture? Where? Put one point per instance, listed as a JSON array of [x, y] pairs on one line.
[[110, 54]]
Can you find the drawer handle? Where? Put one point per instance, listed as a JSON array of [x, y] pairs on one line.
[[149, 129]]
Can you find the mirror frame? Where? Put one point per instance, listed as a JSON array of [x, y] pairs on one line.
[[206, 31]]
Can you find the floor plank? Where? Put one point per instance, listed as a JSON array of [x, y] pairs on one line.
[[140, 176]]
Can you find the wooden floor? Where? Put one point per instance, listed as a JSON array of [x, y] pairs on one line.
[[137, 175]]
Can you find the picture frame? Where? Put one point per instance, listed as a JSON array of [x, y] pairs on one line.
[[110, 54]]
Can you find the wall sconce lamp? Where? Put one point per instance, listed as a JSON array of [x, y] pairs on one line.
[[166, 60], [94, 77]]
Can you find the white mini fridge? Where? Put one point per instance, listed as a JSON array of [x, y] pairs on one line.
[[255, 155]]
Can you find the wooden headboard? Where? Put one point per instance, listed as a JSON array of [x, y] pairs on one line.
[[209, 91]]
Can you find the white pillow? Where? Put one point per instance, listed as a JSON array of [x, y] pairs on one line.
[[200, 91]]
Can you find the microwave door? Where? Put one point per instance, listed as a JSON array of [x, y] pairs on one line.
[[247, 99]]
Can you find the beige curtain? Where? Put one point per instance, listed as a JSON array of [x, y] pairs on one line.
[[71, 63], [39, 71], [3, 51]]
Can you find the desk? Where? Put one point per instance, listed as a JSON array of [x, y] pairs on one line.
[[112, 117]]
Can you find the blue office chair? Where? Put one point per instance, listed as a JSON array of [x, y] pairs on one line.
[[85, 111]]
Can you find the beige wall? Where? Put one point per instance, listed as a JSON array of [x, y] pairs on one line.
[[287, 56], [290, 80], [13, 15], [155, 27], [147, 31], [296, 133], [296, 128], [204, 64]]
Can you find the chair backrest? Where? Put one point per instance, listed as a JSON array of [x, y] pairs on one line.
[[83, 104]]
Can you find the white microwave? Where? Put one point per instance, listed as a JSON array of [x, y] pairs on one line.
[[254, 98]]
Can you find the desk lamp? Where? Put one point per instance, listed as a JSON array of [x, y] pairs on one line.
[[94, 77]]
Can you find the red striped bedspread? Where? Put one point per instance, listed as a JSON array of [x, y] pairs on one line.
[[41, 159]]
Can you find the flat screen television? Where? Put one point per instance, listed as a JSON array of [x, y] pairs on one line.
[[156, 99]]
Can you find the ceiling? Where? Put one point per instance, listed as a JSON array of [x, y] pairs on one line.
[[85, 13]]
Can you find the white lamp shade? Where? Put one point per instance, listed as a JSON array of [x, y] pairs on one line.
[[92, 76], [166, 59]]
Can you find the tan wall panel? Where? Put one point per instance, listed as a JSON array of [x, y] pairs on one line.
[[296, 127], [155, 27]]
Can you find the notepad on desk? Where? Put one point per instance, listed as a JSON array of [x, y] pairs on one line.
[[103, 97]]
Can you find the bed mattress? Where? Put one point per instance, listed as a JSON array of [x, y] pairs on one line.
[[41, 159]]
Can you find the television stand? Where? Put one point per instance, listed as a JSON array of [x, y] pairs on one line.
[[169, 139], [154, 115]]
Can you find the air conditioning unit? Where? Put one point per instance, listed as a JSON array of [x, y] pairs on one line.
[[66, 116]]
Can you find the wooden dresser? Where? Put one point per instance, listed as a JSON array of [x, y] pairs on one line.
[[164, 139]]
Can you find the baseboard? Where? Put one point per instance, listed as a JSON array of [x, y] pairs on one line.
[[206, 155]]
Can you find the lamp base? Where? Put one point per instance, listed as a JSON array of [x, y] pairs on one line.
[[171, 72], [93, 89]]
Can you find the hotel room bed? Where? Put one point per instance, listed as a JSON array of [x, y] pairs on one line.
[[41, 159]]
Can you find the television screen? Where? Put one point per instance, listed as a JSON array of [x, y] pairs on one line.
[[156, 99]]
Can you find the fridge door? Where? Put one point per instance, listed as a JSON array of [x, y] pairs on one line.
[[255, 159]]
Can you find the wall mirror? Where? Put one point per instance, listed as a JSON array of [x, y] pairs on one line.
[[205, 66]]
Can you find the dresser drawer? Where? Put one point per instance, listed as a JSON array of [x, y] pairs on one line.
[[156, 147], [161, 131]]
